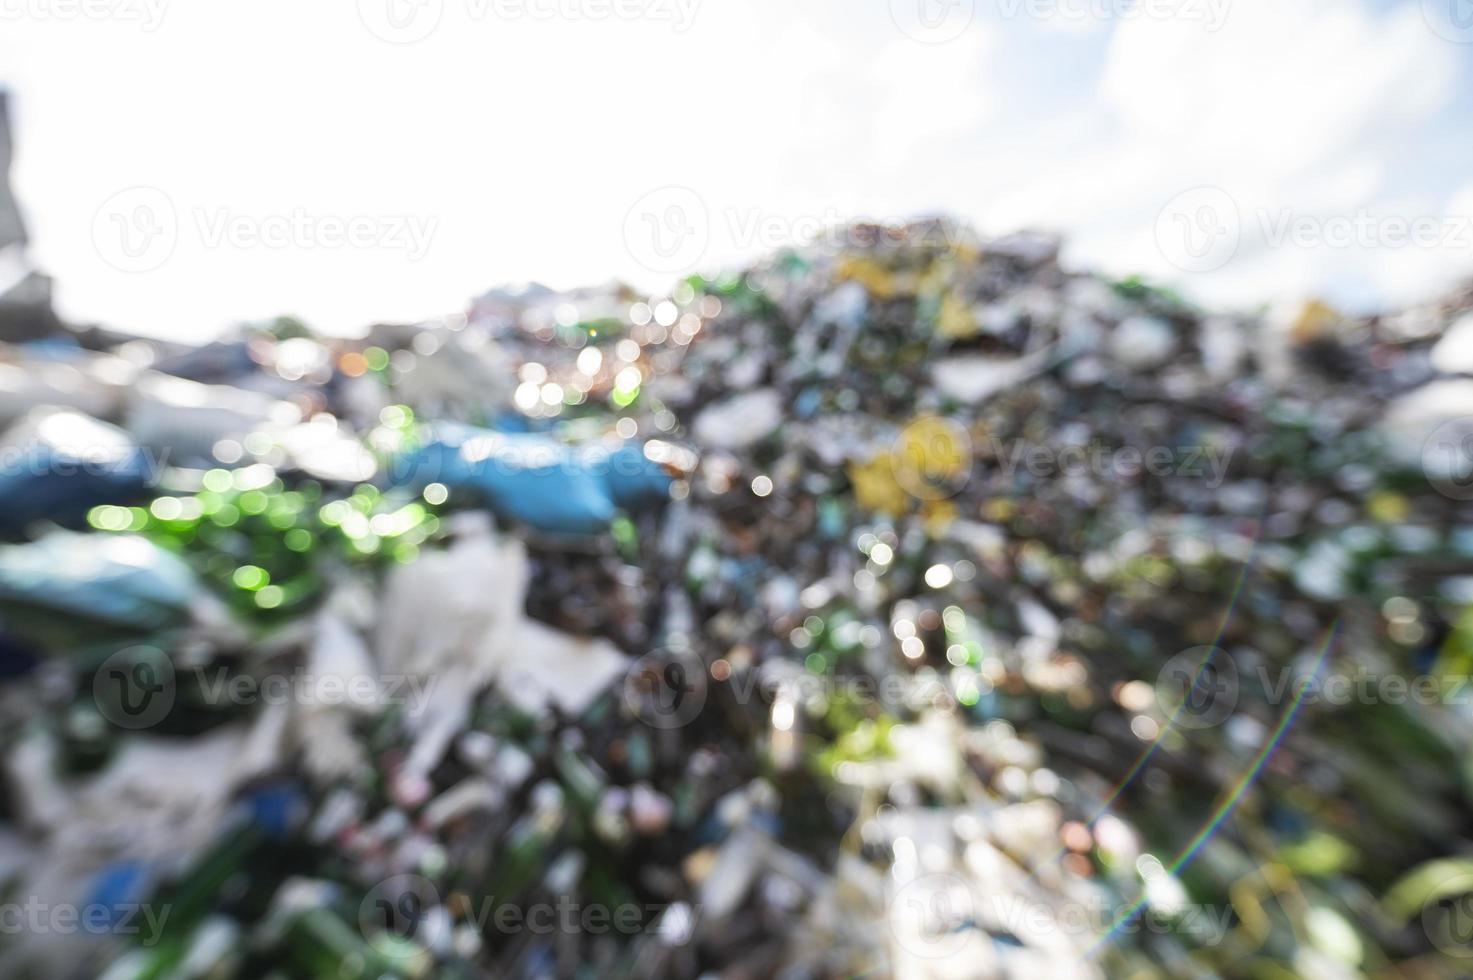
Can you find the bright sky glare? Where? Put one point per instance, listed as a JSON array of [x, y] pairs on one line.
[[184, 165]]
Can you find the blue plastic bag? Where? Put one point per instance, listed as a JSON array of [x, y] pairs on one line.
[[57, 465], [530, 478]]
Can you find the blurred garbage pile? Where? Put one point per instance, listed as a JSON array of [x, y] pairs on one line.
[[908, 608], [25, 294]]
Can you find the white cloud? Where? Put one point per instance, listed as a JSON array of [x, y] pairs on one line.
[[1289, 108]]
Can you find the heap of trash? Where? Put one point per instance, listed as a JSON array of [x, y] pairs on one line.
[[906, 605]]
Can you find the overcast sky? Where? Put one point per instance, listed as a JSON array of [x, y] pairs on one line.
[[185, 165]]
